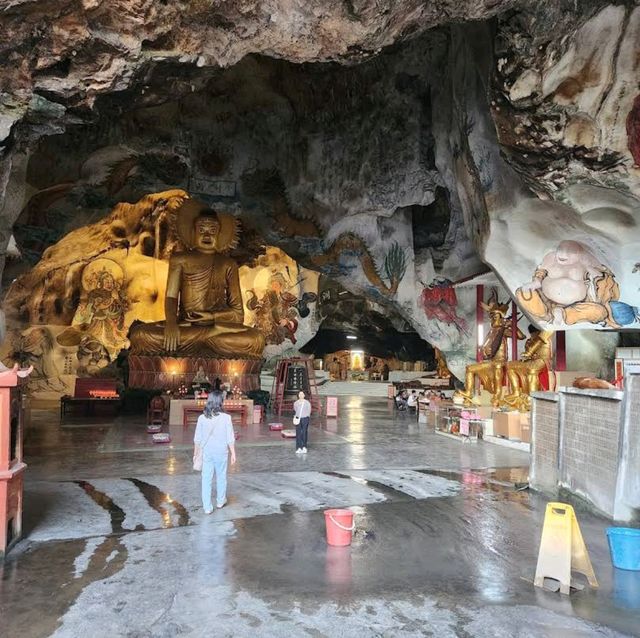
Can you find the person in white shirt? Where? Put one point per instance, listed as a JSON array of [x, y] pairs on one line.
[[412, 401], [302, 410], [215, 436]]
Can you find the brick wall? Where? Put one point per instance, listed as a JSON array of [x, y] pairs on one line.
[[589, 442], [544, 441], [590, 435]]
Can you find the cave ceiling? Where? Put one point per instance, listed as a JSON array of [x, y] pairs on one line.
[[394, 146]]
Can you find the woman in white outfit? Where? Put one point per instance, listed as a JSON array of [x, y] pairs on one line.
[[302, 412], [214, 435]]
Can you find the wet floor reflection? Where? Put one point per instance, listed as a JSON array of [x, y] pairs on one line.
[[32, 611], [213, 555], [389, 492], [158, 500], [116, 513], [338, 571], [432, 544], [626, 589]]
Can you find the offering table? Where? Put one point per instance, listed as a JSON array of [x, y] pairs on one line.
[[185, 411]]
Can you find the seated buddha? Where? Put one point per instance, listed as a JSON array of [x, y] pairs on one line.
[[203, 305]]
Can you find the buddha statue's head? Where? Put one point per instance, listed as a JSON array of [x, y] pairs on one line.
[[206, 230]]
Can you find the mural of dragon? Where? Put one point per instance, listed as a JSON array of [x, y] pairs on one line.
[[395, 263]]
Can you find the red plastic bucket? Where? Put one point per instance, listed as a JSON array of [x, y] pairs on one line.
[[340, 527]]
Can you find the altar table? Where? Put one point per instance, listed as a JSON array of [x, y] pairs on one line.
[[179, 409]]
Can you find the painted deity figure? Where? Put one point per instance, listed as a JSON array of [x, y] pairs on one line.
[[524, 375], [490, 372], [570, 286], [101, 315], [276, 316], [203, 305]]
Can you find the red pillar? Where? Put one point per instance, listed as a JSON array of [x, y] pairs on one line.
[[514, 331], [479, 319], [561, 350], [11, 465]]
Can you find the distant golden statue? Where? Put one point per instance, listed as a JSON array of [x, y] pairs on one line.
[[524, 375], [442, 369], [203, 306]]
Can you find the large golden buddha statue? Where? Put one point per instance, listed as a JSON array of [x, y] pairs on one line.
[[203, 306]]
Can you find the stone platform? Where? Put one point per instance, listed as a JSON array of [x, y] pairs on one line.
[[162, 373]]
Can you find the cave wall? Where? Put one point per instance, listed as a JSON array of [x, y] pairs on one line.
[[348, 188], [495, 141], [57, 59], [539, 149]]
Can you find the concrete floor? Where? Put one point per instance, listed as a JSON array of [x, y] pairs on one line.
[[117, 543]]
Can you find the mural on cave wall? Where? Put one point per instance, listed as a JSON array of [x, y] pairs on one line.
[[342, 194], [385, 280], [88, 289], [571, 286], [633, 130], [280, 299], [440, 303], [546, 168]]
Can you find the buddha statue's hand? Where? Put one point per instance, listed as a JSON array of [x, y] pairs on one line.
[[171, 337], [200, 317]]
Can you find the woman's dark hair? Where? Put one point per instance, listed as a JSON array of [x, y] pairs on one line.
[[213, 407]]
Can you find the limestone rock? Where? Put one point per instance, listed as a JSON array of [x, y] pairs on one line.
[[391, 145]]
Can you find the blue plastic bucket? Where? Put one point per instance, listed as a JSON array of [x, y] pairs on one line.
[[624, 544], [626, 589]]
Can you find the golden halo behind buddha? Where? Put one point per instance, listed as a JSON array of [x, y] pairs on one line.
[[185, 216]]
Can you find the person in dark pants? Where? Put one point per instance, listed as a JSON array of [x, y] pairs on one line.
[[302, 412]]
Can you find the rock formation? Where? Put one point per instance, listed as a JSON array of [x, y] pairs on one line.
[[395, 146]]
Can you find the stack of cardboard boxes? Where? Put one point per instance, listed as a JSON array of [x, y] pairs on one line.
[[512, 425]]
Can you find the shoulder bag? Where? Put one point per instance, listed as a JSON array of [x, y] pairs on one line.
[[199, 451]]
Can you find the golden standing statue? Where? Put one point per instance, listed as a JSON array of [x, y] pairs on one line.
[[524, 375], [494, 350], [203, 306], [442, 369]]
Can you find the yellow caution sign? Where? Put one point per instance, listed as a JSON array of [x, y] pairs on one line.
[[562, 549]]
